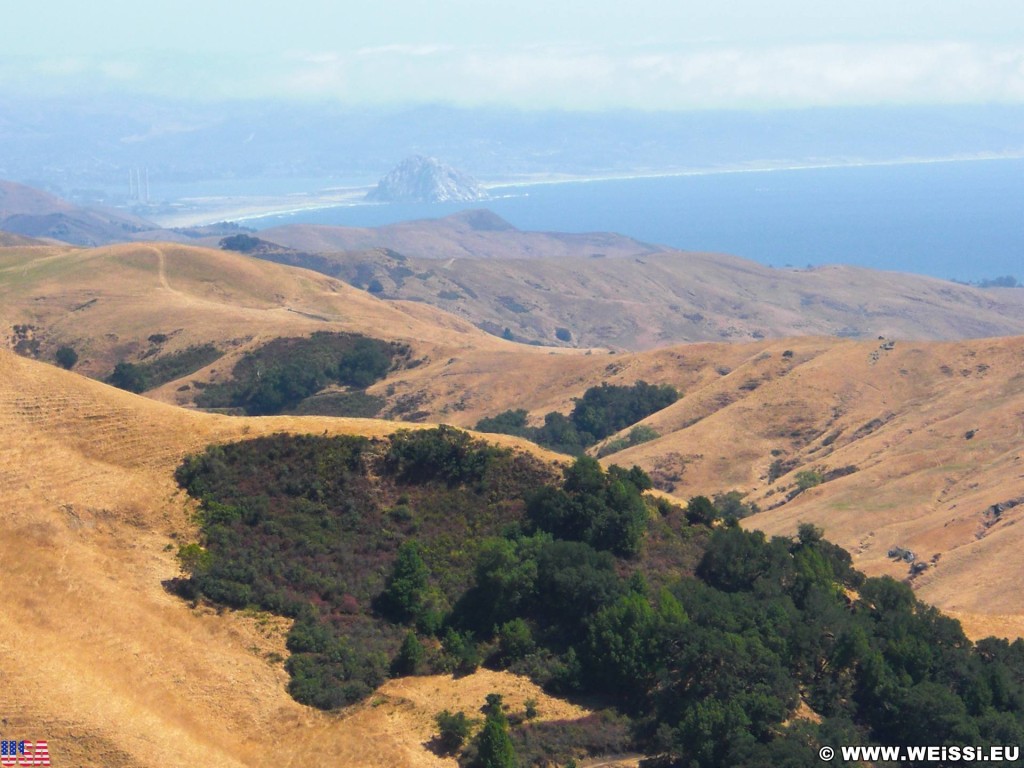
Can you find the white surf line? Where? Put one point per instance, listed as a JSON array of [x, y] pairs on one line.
[[518, 184], [751, 169]]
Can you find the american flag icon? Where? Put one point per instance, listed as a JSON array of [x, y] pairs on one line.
[[24, 753]]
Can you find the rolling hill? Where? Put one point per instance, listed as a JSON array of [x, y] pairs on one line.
[[909, 444], [133, 676], [918, 442], [610, 291], [573, 290], [108, 302], [477, 234], [897, 412], [36, 214]]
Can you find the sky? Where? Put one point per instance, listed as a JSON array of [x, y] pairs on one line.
[[531, 54]]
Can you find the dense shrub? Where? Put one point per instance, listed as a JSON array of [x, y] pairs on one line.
[[558, 742], [303, 526], [453, 730], [706, 637], [601, 411], [602, 509], [150, 374], [130, 377], [242, 243], [66, 357], [282, 373], [493, 746]]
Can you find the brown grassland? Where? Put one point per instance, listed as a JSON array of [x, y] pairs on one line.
[[114, 671], [108, 667], [609, 291]]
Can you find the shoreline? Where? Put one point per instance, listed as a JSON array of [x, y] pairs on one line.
[[541, 179], [237, 209]]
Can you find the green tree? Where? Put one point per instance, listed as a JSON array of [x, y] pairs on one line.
[[407, 585], [700, 511], [515, 641], [453, 730], [621, 649], [66, 357], [242, 243], [511, 422], [494, 746], [129, 377], [602, 509], [194, 560], [409, 660], [461, 649], [808, 478], [709, 729]]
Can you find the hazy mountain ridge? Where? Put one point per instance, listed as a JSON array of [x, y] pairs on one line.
[[562, 289], [32, 213], [475, 234], [607, 290]]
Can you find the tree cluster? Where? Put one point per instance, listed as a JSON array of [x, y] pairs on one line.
[[602, 411], [149, 374], [283, 372], [434, 552]]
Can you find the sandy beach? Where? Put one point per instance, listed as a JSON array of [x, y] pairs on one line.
[[200, 211]]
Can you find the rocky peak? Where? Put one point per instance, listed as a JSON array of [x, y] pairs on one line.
[[426, 180]]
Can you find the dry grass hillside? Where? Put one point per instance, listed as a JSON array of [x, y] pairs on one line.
[[632, 298], [91, 516], [106, 303], [8, 239], [477, 234], [34, 213], [108, 667], [898, 413], [930, 437]]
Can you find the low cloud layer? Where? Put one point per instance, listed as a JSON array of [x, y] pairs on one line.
[[571, 77]]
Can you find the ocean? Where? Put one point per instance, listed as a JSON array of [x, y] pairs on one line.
[[960, 220]]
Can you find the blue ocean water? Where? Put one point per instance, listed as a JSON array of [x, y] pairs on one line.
[[962, 220]]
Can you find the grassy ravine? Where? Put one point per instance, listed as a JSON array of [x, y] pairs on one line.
[[431, 551]]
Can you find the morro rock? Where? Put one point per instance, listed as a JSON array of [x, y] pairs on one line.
[[426, 180]]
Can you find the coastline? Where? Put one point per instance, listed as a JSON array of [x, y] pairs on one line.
[[545, 179], [203, 211]]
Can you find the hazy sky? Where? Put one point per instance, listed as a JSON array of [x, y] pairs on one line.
[[661, 54]]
